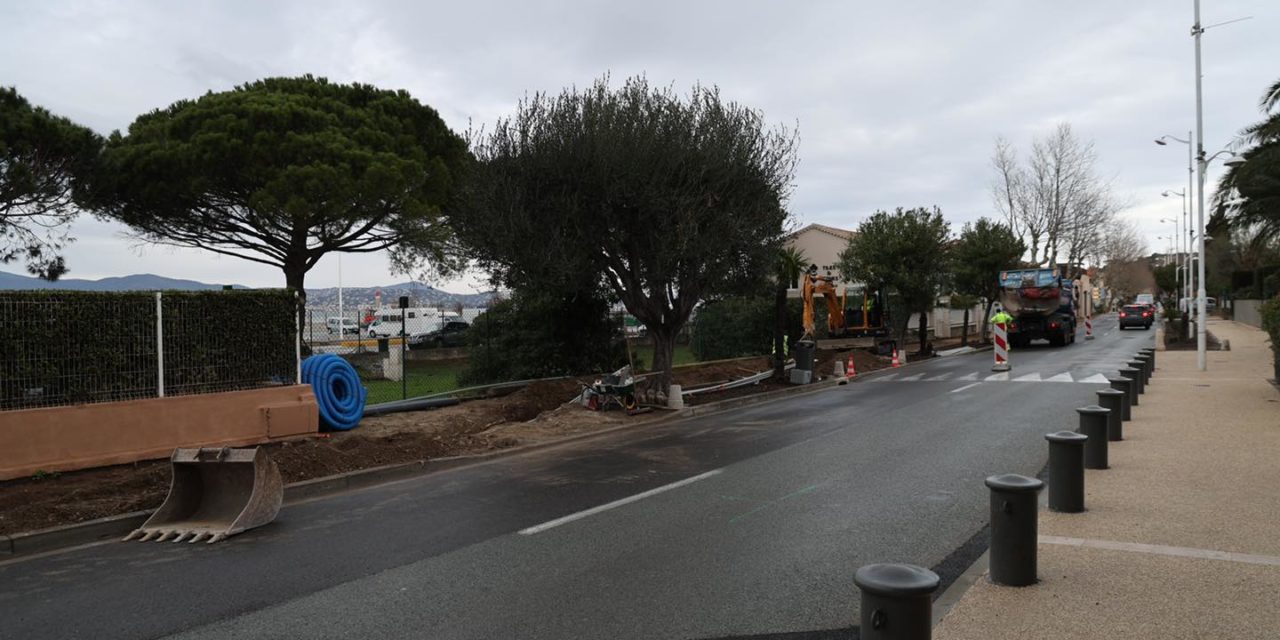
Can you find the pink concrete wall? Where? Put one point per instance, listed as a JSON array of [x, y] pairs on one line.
[[93, 435]]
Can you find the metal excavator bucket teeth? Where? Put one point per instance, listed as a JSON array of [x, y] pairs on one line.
[[215, 493]]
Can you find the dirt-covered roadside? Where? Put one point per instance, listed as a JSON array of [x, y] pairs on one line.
[[537, 413]]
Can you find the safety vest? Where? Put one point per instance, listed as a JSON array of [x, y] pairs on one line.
[[1001, 318]]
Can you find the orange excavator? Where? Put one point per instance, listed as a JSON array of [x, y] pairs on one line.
[[814, 285], [867, 319]]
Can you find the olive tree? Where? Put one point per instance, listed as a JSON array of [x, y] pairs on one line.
[[662, 199]]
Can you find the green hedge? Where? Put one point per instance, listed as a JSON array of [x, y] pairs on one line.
[[733, 327], [68, 347]]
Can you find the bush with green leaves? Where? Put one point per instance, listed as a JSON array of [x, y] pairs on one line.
[[733, 327], [540, 335], [1271, 322], [70, 347]]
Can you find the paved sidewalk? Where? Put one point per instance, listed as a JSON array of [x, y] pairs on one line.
[[1181, 537]]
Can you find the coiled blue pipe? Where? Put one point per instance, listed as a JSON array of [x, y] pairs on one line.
[[338, 390]]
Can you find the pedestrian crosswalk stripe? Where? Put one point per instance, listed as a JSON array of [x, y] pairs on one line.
[[912, 378], [1061, 377], [886, 378], [1096, 378], [1003, 376], [940, 378], [1030, 377], [972, 376]]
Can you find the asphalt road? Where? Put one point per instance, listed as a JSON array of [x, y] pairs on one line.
[[757, 520]]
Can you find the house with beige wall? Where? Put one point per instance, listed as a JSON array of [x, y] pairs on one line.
[[821, 245]]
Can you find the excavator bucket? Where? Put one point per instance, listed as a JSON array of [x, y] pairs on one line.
[[215, 493]]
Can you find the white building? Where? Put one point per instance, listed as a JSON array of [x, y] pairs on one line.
[[821, 245]]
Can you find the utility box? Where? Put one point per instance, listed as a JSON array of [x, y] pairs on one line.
[[804, 352], [801, 376]]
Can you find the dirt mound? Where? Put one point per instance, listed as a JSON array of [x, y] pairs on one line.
[[544, 395]]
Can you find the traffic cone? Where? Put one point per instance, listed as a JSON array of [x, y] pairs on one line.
[[895, 358], [851, 371]]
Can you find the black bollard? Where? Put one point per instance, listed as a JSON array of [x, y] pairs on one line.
[[1141, 378], [1013, 529], [1124, 385], [1093, 423], [1145, 361], [1066, 471], [1135, 386], [1150, 351], [896, 602], [1113, 401]]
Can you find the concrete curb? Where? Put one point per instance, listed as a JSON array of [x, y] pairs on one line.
[[949, 598]]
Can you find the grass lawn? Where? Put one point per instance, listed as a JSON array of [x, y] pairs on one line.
[[683, 355], [425, 377]]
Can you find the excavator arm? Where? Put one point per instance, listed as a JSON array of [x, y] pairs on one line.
[[824, 286]]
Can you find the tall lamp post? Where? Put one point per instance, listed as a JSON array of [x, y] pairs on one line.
[[1177, 256], [1163, 141]]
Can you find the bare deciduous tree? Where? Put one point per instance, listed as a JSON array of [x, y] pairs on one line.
[[1056, 202]]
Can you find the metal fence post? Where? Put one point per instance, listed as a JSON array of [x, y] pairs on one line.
[[159, 347], [297, 338]]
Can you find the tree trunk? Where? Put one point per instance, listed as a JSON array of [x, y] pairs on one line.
[[986, 320], [664, 344], [924, 333], [780, 331], [964, 330], [293, 278]]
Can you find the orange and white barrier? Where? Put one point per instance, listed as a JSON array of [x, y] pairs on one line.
[[1001, 348], [851, 371], [895, 358], [1088, 328]]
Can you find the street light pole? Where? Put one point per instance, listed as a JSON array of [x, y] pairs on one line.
[[1201, 338]]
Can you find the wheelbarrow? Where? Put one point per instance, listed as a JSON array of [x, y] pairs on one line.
[[617, 389]]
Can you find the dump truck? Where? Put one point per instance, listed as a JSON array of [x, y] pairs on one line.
[[1042, 304]]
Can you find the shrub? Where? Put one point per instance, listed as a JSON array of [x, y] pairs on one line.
[[1271, 322], [734, 327], [540, 335]]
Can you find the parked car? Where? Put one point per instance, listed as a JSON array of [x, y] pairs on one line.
[[1137, 315], [349, 326], [452, 334]]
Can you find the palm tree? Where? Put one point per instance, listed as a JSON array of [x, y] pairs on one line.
[[1256, 180], [791, 263]]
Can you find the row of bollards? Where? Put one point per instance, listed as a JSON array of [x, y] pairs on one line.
[[897, 598]]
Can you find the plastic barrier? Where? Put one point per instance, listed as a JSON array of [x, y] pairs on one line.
[[338, 390]]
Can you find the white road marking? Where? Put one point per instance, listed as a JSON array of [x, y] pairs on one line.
[[1030, 377], [1096, 378], [886, 378], [972, 376], [1061, 377], [967, 386], [1162, 550], [1003, 376], [912, 378], [939, 378], [616, 503]]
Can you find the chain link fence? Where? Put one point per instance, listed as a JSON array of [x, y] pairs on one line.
[[65, 348], [399, 353]]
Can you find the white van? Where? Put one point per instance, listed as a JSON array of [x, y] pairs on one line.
[[347, 326], [417, 321]]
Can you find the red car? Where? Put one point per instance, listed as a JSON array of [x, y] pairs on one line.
[[1137, 315]]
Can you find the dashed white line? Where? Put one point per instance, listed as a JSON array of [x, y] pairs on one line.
[[616, 503]]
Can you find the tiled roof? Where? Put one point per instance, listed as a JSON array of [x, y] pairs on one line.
[[843, 234]]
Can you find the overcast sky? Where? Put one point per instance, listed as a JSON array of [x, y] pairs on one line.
[[897, 103]]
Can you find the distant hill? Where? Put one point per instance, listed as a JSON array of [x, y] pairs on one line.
[[137, 282], [420, 294]]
